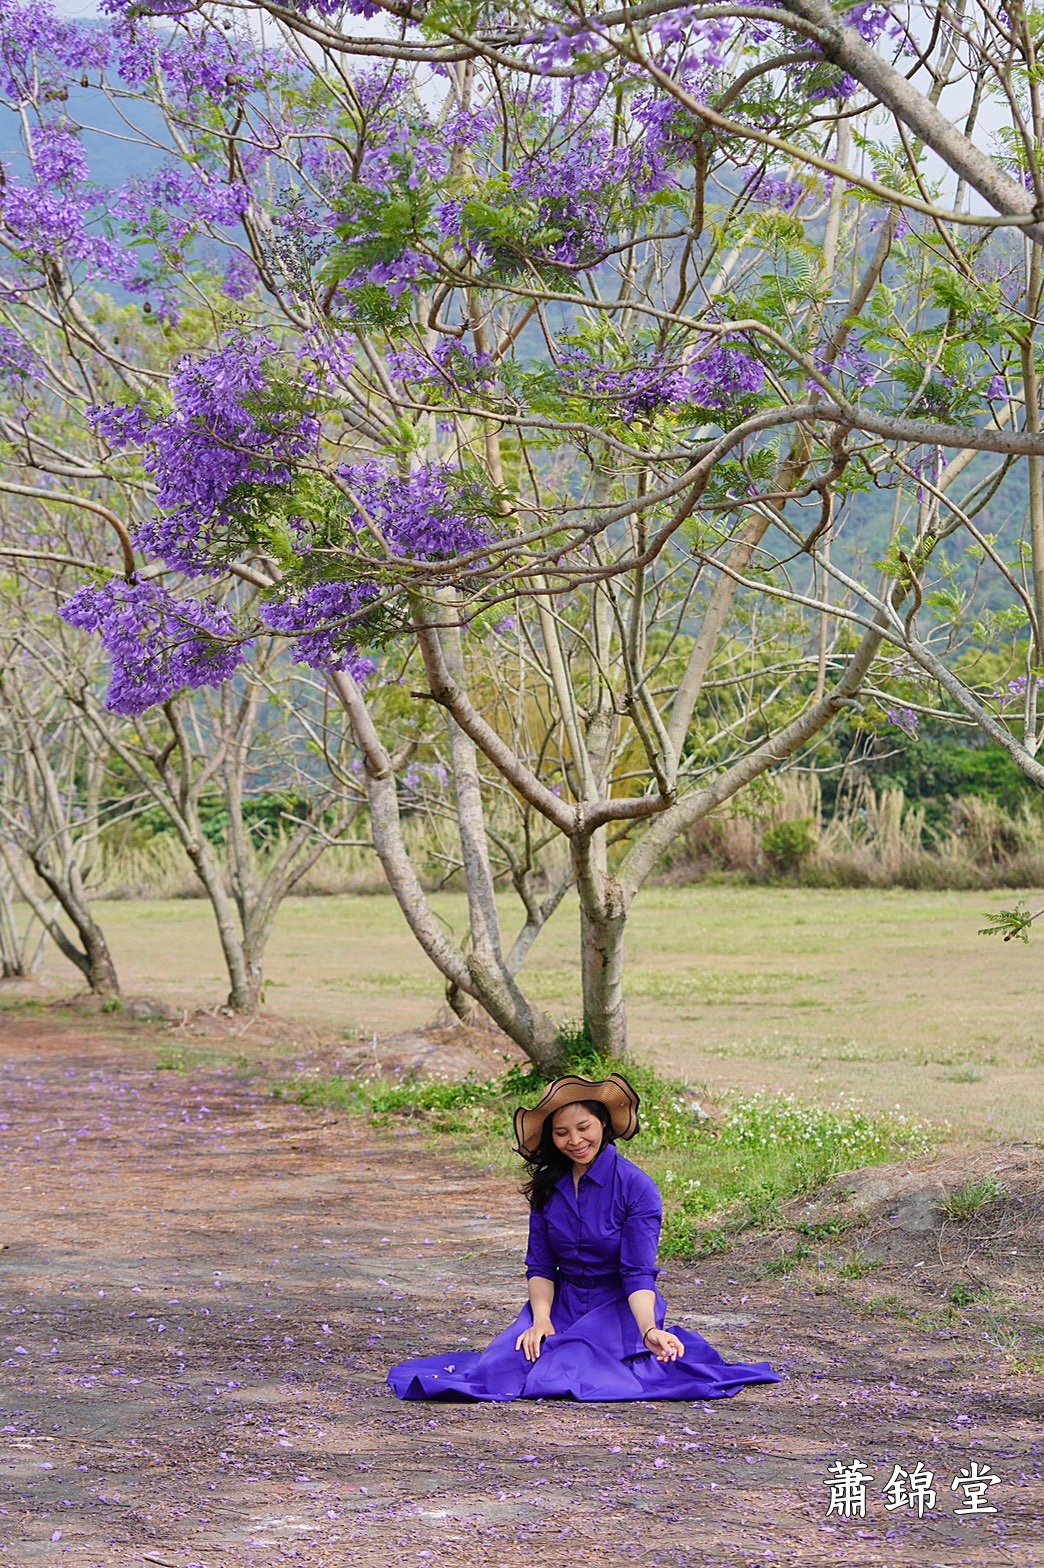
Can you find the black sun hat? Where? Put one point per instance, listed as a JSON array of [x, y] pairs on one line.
[[614, 1092]]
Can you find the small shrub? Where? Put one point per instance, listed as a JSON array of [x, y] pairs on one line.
[[967, 1201], [826, 1135], [788, 844], [172, 1060], [963, 1295], [786, 1262], [711, 1242], [822, 1229], [579, 1054], [858, 1267]]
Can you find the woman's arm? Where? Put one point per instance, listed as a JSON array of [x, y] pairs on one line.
[[541, 1300], [664, 1346], [638, 1244]]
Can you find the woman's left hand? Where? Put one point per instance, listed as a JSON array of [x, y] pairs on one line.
[[664, 1346]]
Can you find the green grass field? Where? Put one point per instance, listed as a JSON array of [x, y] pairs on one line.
[[889, 997]]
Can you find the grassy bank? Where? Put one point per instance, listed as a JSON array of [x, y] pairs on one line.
[[719, 1173]]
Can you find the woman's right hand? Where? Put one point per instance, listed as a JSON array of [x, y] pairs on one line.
[[531, 1340]]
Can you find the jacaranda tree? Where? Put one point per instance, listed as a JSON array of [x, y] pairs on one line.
[[619, 384]]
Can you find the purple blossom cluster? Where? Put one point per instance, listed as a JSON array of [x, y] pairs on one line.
[[572, 186], [16, 358], [667, 128], [324, 622], [363, 8], [632, 392], [400, 150], [701, 40], [222, 435], [723, 377], [135, 8], [40, 50], [785, 191], [467, 127], [425, 778], [720, 378], [179, 199], [240, 277], [450, 364], [905, 719], [872, 20], [225, 431], [853, 360], [55, 215], [200, 65], [56, 153], [399, 275], [55, 223], [692, 51], [433, 515], [158, 645], [403, 154], [560, 44], [1015, 691], [328, 359]]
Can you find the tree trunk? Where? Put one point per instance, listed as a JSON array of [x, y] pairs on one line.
[[463, 1005], [101, 971], [93, 959], [245, 976], [603, 919], [601, 960], [531, 1028]]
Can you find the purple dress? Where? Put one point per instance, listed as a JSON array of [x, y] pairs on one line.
[[597, 1245]]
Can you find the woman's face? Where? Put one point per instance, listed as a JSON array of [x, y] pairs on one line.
[[577, 1133]]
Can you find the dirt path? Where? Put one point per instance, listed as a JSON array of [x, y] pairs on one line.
[[201, 1289]]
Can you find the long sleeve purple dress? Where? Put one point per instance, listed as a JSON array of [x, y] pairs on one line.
[[597, 1245]]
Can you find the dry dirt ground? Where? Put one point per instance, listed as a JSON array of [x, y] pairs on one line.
[[201, 1288]]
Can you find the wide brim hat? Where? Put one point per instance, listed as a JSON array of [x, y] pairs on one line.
[[614, 1092]]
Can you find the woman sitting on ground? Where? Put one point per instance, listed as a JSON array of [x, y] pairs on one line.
[[593, 1328]]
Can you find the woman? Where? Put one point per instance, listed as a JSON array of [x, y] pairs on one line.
[[594, 1324]]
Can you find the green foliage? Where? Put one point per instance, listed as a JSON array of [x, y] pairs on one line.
[[717, 1178], [375, 307], [962, 1295], [443, 1107], [969, 1200], [858, 1267], [771, 1148], [1010, 923], [266, 816], [821, 1230], [579, 1053], [789, 843], [786, 1261], [827, 1136]]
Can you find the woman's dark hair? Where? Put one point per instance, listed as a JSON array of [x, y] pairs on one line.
[[548, 1164]]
